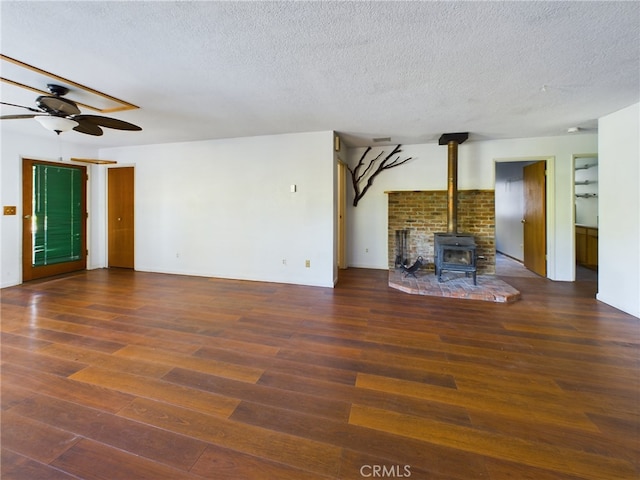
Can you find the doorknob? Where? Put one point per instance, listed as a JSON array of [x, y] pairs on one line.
[[27, 217], [523, 221], [119, 219]]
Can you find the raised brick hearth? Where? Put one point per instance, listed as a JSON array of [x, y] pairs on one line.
[[454, 285]]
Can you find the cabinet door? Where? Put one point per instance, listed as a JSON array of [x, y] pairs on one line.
[[592, 247]]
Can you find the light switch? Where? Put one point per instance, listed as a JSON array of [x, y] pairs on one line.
[[10, 210], [293, 188]]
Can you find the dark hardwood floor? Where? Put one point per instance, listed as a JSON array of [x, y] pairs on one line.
[[115, 374]]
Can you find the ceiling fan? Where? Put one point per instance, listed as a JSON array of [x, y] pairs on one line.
[[61, 115]]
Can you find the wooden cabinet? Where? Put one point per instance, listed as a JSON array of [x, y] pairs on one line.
[[587, 246], [581, 245], [592, 248]]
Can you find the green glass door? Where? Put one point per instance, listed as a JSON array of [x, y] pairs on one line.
[[54, 205]]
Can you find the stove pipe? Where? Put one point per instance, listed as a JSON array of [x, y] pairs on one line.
[[452, 140]]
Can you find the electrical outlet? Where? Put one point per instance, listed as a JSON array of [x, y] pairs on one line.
[[10, 210], [366, 250], [307, 263], [284, 261]]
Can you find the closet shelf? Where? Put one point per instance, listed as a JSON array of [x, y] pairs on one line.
[[586, 195], [586, 182], [587, 166]]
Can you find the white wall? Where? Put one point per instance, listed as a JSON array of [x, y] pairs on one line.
[[367, 235], [619, 210], [15, 147], [224, 208]]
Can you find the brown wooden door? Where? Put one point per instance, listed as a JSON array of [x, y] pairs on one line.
[[120, 218], [535, 218], [48, 201]]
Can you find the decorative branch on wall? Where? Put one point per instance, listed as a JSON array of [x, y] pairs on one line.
[[359, 176]]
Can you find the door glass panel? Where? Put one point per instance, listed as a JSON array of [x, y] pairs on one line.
[[57, 214]]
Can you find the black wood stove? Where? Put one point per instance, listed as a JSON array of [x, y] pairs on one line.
[[453, 251]]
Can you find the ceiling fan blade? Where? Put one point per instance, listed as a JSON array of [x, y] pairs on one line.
[[57, 105], [87, 127], [22, 106], [107, 122], [15, 117]]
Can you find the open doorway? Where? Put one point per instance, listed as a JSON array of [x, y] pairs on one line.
[[585, 184], [521, 214]]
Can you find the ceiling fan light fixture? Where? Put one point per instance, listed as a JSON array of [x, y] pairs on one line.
[[56, 124]]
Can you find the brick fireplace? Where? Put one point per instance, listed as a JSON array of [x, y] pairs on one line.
[[424, 213]]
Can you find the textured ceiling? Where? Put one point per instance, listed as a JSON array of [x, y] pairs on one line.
[[406, 70]]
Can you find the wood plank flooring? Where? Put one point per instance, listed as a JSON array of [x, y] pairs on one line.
[[115, 374]]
